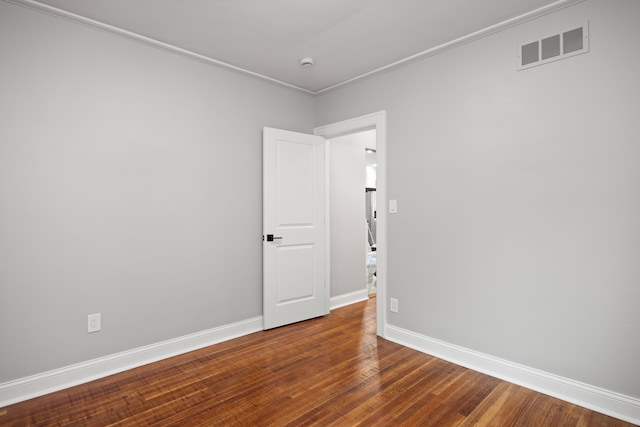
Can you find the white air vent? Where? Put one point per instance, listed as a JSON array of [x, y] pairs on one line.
[[558, 46]]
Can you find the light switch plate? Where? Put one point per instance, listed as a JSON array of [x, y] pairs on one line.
[[393, 206]]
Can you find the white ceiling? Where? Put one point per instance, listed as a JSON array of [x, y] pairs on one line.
[[346, 38]]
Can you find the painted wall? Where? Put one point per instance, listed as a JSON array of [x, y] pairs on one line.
[[347, 203], [130, 185], [518, 232]]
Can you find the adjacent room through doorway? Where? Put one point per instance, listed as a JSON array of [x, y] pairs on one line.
[[352, 188]]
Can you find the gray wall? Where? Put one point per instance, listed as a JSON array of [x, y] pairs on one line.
[[130, 185], [519, 196]]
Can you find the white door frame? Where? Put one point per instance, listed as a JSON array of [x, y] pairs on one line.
[[377, 121]]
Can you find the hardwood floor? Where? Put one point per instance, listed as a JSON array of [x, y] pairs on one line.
[[328, 371]]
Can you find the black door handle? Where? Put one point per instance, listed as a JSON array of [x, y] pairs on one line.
[[271, 238]]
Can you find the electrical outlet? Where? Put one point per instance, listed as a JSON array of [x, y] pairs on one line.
[[94, 323], [394, 305]]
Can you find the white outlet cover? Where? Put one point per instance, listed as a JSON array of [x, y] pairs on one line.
[[394, 305], [94, 323]]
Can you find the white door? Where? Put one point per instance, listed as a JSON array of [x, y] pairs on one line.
[[294, 287]]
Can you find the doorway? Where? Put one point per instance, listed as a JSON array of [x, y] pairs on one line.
[[352, 206], [373, 122]]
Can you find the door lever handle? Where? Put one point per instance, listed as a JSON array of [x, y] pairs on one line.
[[271, 238]]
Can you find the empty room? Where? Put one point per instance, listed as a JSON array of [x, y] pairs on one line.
[[190, 233]]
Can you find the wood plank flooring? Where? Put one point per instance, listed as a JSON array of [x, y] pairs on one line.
[[328, 371]]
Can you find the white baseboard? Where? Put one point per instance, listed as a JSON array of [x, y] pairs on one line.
[[69, 376], [350, 298], [597, 399]]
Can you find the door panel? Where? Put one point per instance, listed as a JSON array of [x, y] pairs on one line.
[[295, 178], [294, 287], [295, 273]]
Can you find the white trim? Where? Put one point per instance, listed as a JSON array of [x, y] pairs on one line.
[[468, 38], [509, 23], [377, 121], [92, 23], [350, 298], [327, 224], [604, 401], [69, 376]]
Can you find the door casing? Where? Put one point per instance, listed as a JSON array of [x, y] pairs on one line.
[[377, 121]]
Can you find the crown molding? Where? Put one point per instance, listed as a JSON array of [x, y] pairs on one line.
[[509, 23], [501, 26], [149, 41]]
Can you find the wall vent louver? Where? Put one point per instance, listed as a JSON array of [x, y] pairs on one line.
[[552, 48]]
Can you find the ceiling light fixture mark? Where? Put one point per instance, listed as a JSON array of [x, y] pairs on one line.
[[306, 62]]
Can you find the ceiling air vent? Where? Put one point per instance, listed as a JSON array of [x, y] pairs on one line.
[[558, 46]]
